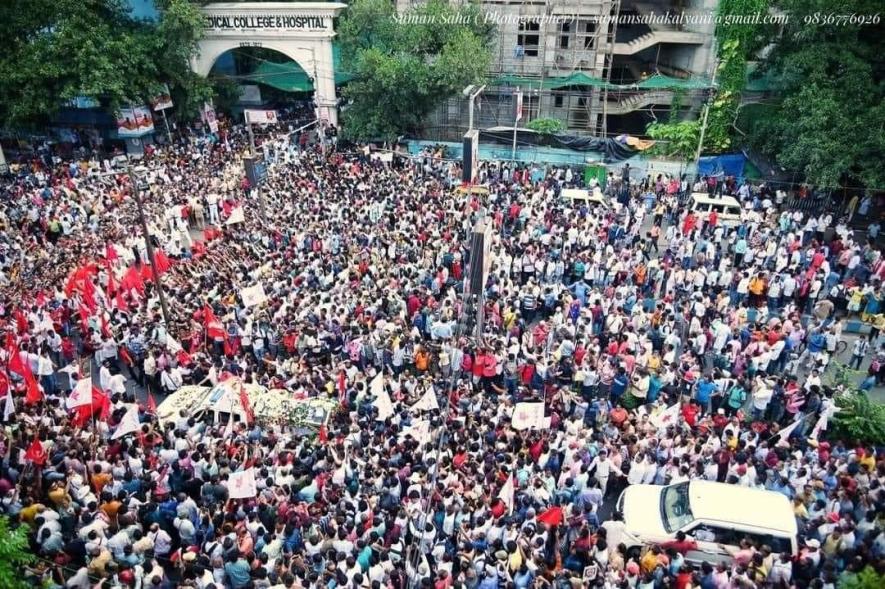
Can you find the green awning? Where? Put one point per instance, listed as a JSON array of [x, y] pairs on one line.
[[291, 77], [655, 82]]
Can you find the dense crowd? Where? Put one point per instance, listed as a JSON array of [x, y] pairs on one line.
[[611, 314]]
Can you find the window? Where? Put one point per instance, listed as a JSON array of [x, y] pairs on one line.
[[530, 107], [558, 100], [528, 38], [564, 31], [587, 31], [675, 507]]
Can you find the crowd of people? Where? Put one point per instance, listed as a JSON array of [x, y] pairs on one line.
[[610, 315]]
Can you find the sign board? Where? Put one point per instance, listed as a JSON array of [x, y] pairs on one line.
[[253, 295], [261, 117], [256, 171], [240, 22], [134, 121], [209, 117], [518, 101], [163, 101], [470, 157], [250, 94]]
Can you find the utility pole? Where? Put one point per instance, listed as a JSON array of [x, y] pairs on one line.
[[166, 123], [254, 154], [471, 98], [697, 157], [516, 118], [136, 194]]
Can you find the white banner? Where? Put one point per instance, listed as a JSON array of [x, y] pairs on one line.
[[668, 416], [254, 295], [241, 485], [428, 401], [529, 416], [81, 395], [382, 399], [236, 216], [261, 117], [129, 424], [507, 494], [419, 430]]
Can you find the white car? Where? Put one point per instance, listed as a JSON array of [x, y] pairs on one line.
[[717, 516]]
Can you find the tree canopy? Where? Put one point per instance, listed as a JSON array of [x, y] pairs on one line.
[[406, 65], [829, 123], [57, 50]]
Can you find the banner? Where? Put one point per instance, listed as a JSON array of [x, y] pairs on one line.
[[529, 416], [507, 494], [254, 295], [81, 395], [209, 117], [134, 122], [668, 416], [261, 117], [236, 216], [163, 101], [428, 401], [382, 399], [241, 485], [419, 430], [129, 424]]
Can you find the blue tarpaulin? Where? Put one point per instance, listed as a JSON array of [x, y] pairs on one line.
[[730, 164]]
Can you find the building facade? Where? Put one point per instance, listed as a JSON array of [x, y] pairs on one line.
[[602, 67]]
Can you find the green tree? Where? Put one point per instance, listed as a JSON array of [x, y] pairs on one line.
[[406, 65], [868, 578], [675, 139], [859, 419], [545, 126], [830, 121], [13, 555], [56, 50]]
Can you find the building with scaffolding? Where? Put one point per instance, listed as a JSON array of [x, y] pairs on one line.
[[602, 67]]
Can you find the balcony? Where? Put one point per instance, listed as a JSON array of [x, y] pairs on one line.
[[653, 38]]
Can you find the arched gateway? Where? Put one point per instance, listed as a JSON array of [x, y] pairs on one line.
[[302, 31]]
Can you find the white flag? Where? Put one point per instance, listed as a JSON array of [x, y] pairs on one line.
[[419, 430], [668, 416], [382, 403], [253, 295], [236, 216], [784, 434], [507, 494], [81, 395], [428, 401], [528, 416], [241, 484], [8, 406], [128, 424]]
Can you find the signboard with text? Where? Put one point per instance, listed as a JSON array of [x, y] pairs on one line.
[[266, 21]]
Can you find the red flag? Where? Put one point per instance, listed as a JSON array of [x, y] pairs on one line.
[[163, 262], [324, 434], [132, 280], [146, 274], [21, 322], [35, 453], [4, 382], [84, 320], [551, 517], [33, 392], [151, 403], [105, 328], [214, 328], [247, 406], [110, 252], [112, 285], [41, 299], [342, 387]]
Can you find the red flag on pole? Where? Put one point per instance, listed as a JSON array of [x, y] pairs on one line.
[[110, 252], [247, 406], [35, 453], [214, 328], [151, 403], [162, 261], [342, 387], [324, 434]]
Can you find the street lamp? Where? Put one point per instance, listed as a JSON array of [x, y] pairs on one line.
[[471, 93], [133, 173]]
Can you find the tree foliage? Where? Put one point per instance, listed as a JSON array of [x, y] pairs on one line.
[[675, 139], [859, 419], [545, 126], [830, 120], [56, 50], [868, 578], [406, 66], [13, 555]]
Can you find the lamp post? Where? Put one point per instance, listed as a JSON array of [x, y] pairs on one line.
[[149, 246]]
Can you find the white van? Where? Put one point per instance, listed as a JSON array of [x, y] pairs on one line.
[[715, 515], [728, 209], [578, 195]]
